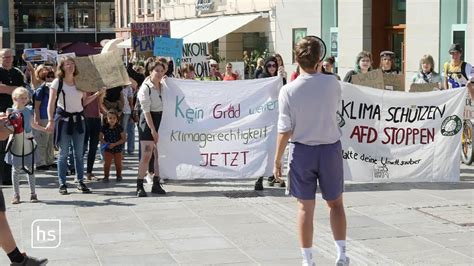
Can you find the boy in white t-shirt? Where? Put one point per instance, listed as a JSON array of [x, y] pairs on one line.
[[307, 115]]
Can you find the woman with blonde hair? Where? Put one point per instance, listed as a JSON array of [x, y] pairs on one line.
[[68, 120], [426, 73]]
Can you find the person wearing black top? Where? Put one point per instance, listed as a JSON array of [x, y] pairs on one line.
[[363, 64], [270, 69], [10, 78]]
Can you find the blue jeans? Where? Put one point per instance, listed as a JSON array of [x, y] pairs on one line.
[[93, 126], [78, 147]]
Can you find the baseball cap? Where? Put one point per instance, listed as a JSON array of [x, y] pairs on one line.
[[455, 47], [387, 53], [212, 62]]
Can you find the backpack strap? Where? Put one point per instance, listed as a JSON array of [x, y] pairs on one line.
[[60, 89], [463, 70]]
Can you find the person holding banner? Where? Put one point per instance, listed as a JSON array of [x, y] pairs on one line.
[[269, 70], [386, 63], [68, 123], [307, 116], [149, 97], [426, 73], [456, 72], [363, 64]]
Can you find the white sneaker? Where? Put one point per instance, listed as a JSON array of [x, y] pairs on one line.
[[342, 262], [149, 178]]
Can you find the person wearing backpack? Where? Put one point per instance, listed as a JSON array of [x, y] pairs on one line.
[[456, 72], [68, 122]]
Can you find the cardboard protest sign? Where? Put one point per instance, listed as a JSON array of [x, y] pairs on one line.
[[197, 55], [35, 54], [424, 87], [143, 36], [239, 69], [168, 47], [102, 70], [394, 82], [372, 79]]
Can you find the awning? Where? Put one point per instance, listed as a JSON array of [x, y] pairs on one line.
[[203, 29], [219, 28]]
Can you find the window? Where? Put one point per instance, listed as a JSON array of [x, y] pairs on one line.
[[141, 7], [329, 30], [452, 28], [298, 34], [150, 7]]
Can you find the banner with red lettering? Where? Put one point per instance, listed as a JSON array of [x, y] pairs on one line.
[[218, 129], [401, 137]]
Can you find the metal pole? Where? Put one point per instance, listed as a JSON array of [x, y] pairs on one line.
[[95, 18], [55, 30]]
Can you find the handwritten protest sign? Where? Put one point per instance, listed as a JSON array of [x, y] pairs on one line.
[[217, 129], [394, 82], [400, 137], [168, 47], [372, 79], [424, 87], [143, 36], [197, 55], [102, 70]]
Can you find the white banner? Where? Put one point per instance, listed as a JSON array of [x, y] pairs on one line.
[[218, 129], [399, 137]]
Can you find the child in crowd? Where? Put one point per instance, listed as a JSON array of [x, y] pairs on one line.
[[22, 146], [112, 138]]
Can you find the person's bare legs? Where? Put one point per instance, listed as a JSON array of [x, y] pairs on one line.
[[305, 222], [6, 238], [305, 229], [337, 217]]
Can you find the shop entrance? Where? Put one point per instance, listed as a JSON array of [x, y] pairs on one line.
[[388, 30]]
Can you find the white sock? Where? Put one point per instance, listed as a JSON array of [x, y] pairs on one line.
[[341, 249], [307, 255]]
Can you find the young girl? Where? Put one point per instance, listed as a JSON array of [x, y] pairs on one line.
[[112, 138], [22, 146]]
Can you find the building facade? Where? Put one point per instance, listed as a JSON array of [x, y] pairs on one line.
[[411, 29], [230, 27], [49, 23]]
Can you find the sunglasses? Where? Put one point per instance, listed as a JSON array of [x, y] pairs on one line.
[[271, 65], [213, 65], [50, 75]]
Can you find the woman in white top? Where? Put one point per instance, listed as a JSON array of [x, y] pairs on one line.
[[149, 96], [68, 122]]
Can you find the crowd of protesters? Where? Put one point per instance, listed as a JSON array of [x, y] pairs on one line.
[[103, 123]]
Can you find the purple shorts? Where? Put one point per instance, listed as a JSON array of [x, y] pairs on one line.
[[311, 165]]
